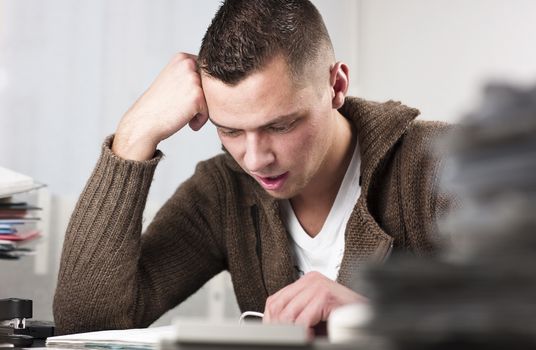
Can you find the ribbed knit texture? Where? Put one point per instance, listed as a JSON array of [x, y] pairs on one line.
[[112, 277]]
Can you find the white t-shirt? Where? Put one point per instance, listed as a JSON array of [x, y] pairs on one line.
[[324, 252]]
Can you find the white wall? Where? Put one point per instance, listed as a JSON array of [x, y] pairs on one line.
[[436, 55], [72, 68]]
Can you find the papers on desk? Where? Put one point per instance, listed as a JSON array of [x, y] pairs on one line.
[[187, 332], [142, 338], [493, 172]]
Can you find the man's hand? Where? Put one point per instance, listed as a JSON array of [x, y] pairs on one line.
[[173, 100], [308, 301]]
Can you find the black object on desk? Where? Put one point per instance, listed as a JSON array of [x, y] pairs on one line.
[[15, 329]]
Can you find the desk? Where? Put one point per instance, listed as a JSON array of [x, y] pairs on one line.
[[321, 344], [318, 344]]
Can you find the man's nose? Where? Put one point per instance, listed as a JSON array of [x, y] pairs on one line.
[[258, 154]]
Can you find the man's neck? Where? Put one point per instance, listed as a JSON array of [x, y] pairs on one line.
[[314, 203]]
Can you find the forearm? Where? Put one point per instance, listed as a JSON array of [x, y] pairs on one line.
[[97, 283]]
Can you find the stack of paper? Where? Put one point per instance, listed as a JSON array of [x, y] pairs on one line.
[[18, 219], [142, 338], [191, 333], [493, 169], [12, 183], [480, 295]]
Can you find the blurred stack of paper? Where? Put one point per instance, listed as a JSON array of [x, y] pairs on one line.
[[493, 169], [480, 294], [18, 219]]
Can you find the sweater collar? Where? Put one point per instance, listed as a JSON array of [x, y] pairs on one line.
[[379, 126]]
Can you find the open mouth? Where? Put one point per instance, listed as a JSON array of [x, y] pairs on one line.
[[273, 183]]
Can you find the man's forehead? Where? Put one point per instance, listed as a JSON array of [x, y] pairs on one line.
[[258, 100]]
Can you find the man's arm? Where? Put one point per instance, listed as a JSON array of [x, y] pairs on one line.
[[109, 277]]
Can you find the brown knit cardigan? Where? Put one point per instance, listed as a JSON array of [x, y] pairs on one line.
[[111, 276]]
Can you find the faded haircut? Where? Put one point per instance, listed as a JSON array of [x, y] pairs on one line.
[[246, 34]]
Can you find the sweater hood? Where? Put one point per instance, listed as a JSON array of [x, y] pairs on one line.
[[379, 126]]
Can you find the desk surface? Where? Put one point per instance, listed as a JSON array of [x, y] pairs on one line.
[[320, 344]]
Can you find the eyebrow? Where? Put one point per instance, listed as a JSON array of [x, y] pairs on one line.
[[270, 123]]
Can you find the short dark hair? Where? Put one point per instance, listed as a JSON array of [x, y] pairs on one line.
[[246, 34]]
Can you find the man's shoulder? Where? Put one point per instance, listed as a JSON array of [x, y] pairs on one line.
[[424, 137], [420, 156], [417, 157], [428, 128]]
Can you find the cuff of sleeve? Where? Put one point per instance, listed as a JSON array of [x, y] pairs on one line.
[[118, 178], [107, 152]]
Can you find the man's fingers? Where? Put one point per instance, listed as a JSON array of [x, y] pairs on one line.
[[276, 303], [308, 300], [306, 306], [296, 306], [198, 121], [181, 56], [202, 116], [312, 313]]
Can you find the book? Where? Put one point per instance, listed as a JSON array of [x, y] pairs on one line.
[[18, 219], [12, 210], [20, 236], [12, 250], [189, 332]]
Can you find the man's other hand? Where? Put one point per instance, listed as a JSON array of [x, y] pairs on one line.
[[308, 301], [173, 100]]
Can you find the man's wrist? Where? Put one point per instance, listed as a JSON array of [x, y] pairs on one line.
[[133, 148]]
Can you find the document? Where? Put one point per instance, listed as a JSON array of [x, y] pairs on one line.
[[12, 182], [188, 332], [138, 338]]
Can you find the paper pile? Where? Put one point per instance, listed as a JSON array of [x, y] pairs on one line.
[[480, 295], [18, 218]]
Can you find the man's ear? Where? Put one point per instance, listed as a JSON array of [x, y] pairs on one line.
[[339, 81]]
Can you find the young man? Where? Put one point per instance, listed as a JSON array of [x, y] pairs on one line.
[[312, 183]]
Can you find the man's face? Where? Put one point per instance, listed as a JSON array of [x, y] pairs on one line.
[[277, 131]]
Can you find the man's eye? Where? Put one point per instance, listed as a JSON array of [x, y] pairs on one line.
[[229, 133], [281, 128]]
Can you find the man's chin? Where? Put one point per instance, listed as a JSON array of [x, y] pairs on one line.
[[279, 194], [284, 193]]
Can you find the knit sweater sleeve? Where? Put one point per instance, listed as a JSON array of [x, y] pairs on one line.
[[113, 277]]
